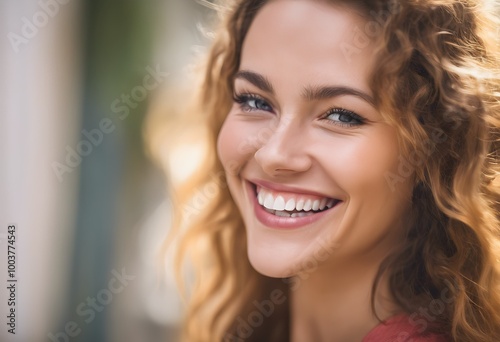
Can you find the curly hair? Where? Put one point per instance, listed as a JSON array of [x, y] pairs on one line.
[[438, 65]]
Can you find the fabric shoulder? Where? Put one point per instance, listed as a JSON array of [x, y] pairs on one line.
[[400, 329]]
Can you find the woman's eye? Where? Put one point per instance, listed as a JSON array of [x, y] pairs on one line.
[[343, 117], [251, 102]]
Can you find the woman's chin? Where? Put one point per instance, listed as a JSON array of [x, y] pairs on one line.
[[272, 271], [273, 266]]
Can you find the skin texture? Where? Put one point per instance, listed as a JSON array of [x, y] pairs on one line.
[[288, 140]]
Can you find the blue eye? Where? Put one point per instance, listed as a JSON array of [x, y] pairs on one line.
[[252, 102], [343, 117]]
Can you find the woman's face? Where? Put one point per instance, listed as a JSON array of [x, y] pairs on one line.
[[307, 156]]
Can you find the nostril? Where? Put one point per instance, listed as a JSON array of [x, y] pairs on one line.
[[277, 160]]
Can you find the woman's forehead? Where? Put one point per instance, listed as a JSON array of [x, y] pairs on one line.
[[308, 42]]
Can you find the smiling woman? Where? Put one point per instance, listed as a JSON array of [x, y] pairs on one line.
[[359, 142]]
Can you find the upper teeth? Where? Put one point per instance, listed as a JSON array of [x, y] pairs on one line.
[[278, 202]]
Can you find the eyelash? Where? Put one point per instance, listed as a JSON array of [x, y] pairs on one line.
[[243, 98], [341, 111]]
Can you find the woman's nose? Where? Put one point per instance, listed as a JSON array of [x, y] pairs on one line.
[[285, 151]]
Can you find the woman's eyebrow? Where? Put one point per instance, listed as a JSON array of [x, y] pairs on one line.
[[256, 79], [326, 92], [310, 93]]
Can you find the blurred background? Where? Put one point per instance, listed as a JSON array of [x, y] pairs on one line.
[[87, 91]]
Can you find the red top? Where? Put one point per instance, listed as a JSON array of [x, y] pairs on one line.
[[402, 328]]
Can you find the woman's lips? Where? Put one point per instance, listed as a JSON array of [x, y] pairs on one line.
[[301, 217]]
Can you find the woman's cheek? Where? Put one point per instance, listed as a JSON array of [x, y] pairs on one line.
[[225, 144], [372, 158], [239, 140]]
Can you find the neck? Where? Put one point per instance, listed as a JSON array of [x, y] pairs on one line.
[[334, 304]]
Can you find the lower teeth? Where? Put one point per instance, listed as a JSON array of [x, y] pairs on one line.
[[282, 213]]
